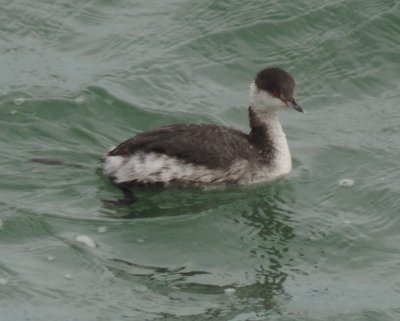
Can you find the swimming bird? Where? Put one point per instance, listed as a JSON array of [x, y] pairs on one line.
[[199, 155]]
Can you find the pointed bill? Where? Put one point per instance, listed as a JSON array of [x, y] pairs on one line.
[[293, 104]]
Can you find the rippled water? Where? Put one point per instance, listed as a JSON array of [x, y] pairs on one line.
[[77, 77]]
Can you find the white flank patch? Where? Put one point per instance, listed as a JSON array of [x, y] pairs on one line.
[[112, 164], [154, 167]]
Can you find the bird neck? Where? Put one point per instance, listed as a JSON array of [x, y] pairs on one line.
[[263, 120], [268, 138]]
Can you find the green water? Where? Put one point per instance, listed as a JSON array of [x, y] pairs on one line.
[[77, 77]]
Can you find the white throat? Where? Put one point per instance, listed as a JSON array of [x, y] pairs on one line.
[[266, 109]]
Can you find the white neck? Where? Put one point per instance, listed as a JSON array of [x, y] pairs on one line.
[[281, 161]]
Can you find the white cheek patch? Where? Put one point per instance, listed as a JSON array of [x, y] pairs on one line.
[[262, 102]]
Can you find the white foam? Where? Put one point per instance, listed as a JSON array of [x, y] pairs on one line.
[[50, 258], [84, 239], [3, 281], [230, 291], [346, 182], [68, 276], [19, 101], [102, 229], [80, 100], [141, 288], [1, 223]]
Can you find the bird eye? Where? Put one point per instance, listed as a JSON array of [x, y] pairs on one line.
[[276, 94]]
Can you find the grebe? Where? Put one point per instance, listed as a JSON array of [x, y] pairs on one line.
[[210, 155]]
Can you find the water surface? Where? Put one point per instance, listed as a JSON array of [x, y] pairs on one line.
[[80, 76]]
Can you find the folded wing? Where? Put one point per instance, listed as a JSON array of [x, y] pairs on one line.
[[209, 145]]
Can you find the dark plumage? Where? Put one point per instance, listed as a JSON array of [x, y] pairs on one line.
[[209, 145]]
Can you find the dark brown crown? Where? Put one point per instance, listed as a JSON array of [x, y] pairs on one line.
[[277, 82]]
